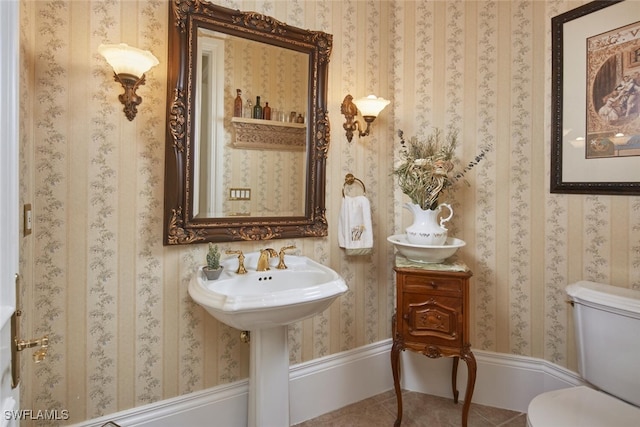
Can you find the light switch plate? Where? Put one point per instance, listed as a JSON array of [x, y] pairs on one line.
[[28, 219]]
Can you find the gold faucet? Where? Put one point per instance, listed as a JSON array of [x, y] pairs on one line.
[[281, 264], [263, 261], [241, 269]]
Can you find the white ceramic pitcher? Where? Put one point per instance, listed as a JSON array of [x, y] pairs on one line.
[[426, 229]]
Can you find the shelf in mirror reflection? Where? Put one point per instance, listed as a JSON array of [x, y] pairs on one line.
[[257, 134]]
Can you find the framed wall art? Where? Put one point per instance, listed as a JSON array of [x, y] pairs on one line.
[[595, 129]]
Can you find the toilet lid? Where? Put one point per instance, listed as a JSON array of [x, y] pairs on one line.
[[581, 407]]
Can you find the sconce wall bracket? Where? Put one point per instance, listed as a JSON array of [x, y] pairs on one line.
[[129, 98], [350, 111], [370, 107]]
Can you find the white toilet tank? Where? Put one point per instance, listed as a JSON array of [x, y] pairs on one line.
[[607, 322]]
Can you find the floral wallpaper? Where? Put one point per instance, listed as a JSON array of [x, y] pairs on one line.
[[123, 329]]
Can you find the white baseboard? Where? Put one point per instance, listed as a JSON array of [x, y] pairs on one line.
[[329, 383], [503, 380], [225, 404]]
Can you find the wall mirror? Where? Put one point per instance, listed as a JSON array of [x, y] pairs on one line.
[[230, 172]]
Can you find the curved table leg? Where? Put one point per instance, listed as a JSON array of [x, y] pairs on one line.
[[395, 368], [470, 359], [454, 377]]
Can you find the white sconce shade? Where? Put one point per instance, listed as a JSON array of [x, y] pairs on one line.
[[125, 59], [129, 65], [371, 105]]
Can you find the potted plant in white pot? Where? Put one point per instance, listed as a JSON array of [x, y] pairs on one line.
[[213, 269]]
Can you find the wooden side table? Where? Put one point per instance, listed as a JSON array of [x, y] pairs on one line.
[[432, 318]]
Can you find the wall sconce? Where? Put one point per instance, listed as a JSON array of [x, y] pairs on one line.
[[369, 107], [129, 65]]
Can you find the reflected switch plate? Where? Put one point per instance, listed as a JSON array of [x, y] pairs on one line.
[[239, 194]]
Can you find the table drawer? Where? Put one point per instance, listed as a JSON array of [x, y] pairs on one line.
[[416, 283]]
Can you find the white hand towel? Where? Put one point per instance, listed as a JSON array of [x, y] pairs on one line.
[[355, 234]]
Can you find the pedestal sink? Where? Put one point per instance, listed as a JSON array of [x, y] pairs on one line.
[[264, 303]]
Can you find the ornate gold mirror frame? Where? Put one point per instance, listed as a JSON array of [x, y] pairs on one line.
[[181, 226]]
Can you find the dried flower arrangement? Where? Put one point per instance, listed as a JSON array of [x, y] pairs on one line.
[[428, 166]]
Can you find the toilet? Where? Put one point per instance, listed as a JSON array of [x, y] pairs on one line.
[[607, 325]]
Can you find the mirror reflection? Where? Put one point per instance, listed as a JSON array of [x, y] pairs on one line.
[[242, 171], [250, 128]]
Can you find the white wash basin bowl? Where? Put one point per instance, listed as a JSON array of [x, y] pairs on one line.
[[264, 299], [425, 253]]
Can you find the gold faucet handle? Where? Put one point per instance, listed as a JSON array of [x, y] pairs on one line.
[[281, 264], [241, 269]]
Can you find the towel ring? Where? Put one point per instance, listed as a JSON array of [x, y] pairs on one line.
[[349, 179]]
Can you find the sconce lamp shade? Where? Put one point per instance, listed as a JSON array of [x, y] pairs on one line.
[[129, 65], [125, 59], [371, 105]]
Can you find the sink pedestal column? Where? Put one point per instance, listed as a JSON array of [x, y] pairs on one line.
[[269, 378]]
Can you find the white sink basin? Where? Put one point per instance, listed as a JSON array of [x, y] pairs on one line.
[[258, 300], [265, 302]]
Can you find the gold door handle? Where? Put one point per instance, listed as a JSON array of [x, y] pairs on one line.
[[41, 353], [20, 344]]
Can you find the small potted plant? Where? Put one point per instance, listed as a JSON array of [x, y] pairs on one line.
[[213, 269]]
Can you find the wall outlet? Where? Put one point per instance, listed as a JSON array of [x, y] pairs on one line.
[[28, 219]]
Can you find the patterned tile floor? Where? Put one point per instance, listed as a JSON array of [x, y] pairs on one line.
[[420, 410]]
